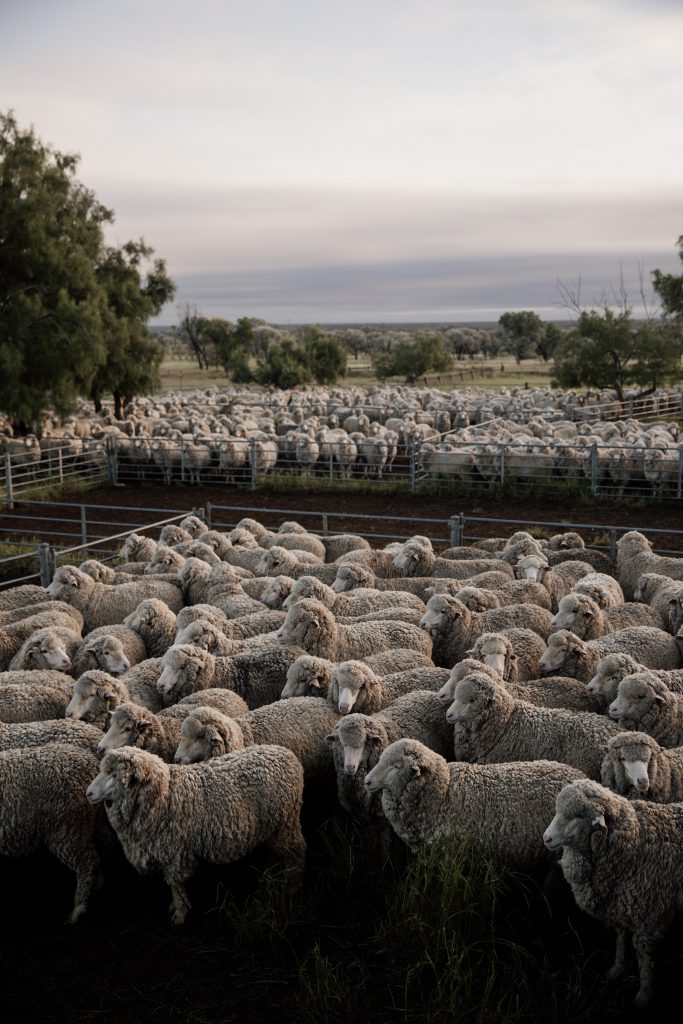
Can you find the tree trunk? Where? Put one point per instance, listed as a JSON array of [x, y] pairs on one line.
[[118, 405]]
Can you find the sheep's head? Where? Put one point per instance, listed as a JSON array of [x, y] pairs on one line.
[[495, 650], [476, 598], [106, 653], [137, 548], [610, 671], [125, 769], [305, 623], [561, 646], [94, 694], [634, 750], [164, 560], [582, 813], [443, 613], [415, 559], [46, 649], [173, 534], [207, 733], [146, 613], [70, 585], [350, 577], [98, 571], [636, 696], [181, 666], [309, 586], [401, 763], [633, 543], [531, 567], [349, 679], [473, 696], [575, 612], [307, 676], [194, 525], [356, 735], [129, 726]]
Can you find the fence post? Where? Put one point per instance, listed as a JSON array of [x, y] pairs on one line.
[[84, 526], [9, 490], [679, 482], [413, 467], [594, 468], [112, 460], [182, 462], [454, 526], [613, 545], [325, 525], [44, 564], [331, 465], [60, 465], [207, 514], [252, 462]]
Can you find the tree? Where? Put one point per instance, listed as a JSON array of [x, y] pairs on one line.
[[191, 325], [522, 331], [670, 288], [411, 358], [548, 341], [324, 354], [133, 296], [73, 312], [284, 365]]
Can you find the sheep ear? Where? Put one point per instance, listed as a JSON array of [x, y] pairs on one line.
[[330, 738], [374, 737], [470, 653], [315, 683], [659, 699], [104, 693], [415, 769], [599, 822], [131, 773], [143, 727], [215, 737]]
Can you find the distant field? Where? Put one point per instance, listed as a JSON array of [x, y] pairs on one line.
[[184, 373]]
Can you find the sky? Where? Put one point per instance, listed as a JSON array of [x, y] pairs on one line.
[[372, 160]]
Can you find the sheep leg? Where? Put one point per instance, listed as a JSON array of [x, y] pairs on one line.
[[87, 878], [617, 968], [644, 945], [289, 846], [180, 903]]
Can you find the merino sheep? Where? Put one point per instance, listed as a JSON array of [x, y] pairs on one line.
[[635, 557], [610, 845], [454, 628], [95, 694], [418, 560], [657, 591], [309, 676], [277, 561], [312, 626], [480, 599], [601, 588], [40, 608], [490, 725], [164, 561], [43, 804], [105, 573], [102, 605], [637, 767], [33, 696], [645, 703], [611, 669], [137, 548], [155, 624], [54, 730], [513, 653], [582, 616], [558, 580], [276, 590], [131, 725], [112, 648], [360, 602], [204, 634], [425, 799], [568, 655], [354, 685], [22, 597], [555, 692], [168, 817], [14, 635]]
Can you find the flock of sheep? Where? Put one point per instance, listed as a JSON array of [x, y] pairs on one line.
[[186, 700], [471, 434]]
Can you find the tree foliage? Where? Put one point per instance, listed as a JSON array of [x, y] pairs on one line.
[[72, 310], [522, 331], [284, 365], [412, 358], [325, 355], [669, 287]]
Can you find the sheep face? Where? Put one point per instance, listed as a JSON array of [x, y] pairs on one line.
[[107, 653], [348, 679], [635, 751], [635, 697], [531, 567], [560, 646], [69, 585], [579, 812], [276, 592], [91, 698], [266, 564], [127, 728], [346, 579], [476, 599], [102, 786], [164, 560], [355, 740], [195, 741], [47, 652], [179, 666], [406, 559], [440, 612], [496, 652], [398, 765], [303, 624], [472, 694], [199, 633], [605, 682], [194, 525], [144, 614], [303, 679], [574, 613]]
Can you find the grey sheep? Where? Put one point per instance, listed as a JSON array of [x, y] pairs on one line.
[[33, 696], [217, 697], [635, 557], [14, 634], [169, 817], [193, 578], [22, 597], [675, 619], [300, 724], [637, 767], [491, 725], [359, 602], [601, 588], [276, 590], [624, 862], [299, 542], [172, 534], [513, 653], [232, 599], [28, 611], [112, 648], [195, 526], [310, 625], [49, 648], [164, 561], [279, 561], [646, 704], [206, 612], [155, 624], [105, 573], [426, 799], [131, 725], [611, 669], [454, 628], [658, 591], [582, 616], [567, 654], [257, 676], [53, 730], [219, 542], [308, 676], [562, 541], [418, 560], [341, 544], [96, 693], [354, 685], [554, 692], [203, 633], [484, 581], [102, 605], [558, 580], [137, 548], [480, 599], [43, 804]]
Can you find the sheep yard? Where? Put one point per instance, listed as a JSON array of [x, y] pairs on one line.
[[377, 933]]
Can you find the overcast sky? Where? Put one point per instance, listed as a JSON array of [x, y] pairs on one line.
[[386, 160]]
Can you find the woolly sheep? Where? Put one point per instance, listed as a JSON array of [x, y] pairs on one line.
[[276, 590], [308, 676], [216, 697], [165, 560], [353, 577], [645, 703], [454, 628], [204, 634], [49, 648], [341, 544], [555, 692], [417, 560], [173, 534], [425, 799], [312, 626], [513, 653], [131, 725], [479, 599], [105, 573], [155, 624], [43, 804], [96, 693], [635, 557], [558, 581], [490, 725], [611, 669], [299, 542], [599, 561], [609, 846], [360, 602], [112, 648], [582, 616], [195, 526], [33, 696], [277, 561], [657, 591], [206, 612], [22, 597], [637, 767], [601, 588], [675, 619], [168, 817], [54, 730], [568, 654], [137, 548], [103, 605], [354, 685], [13, 635], [28, 611]]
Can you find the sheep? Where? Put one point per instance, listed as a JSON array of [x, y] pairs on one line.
[[13, 635], [354, 577], [611, 669], [657, 591], [513, 653], [51, 648], [675, 619], [231, 599], [579, 659], [353, 684], [105, 573], [112, 648], [255, 675], [28, 611], [164, 561], [195, 526], [635, 557], [217, 697], [558, 580], [555, 692], [172, 534], [426, 799], [299, 542], [599, 561], [645, 703], [360, 602], [341, 544], [486, 582], [491, 725], [624, 864], [137, 548], [637, 767], [601, 588], [276, 590], [206, 612], [102, 605], [309, 676], [300, 724], [96, 693], [312, 626], [454, 628], [131, 725], [479, 599], [418, 560], [22, 597], [155, 624], [562, 541], [168, 817], [581, 615], [277, 561], [54, 730], [33, 696], [203, 633], [42, 804]]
